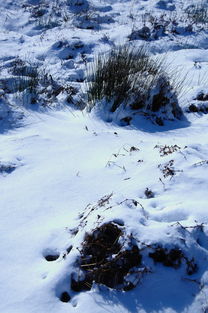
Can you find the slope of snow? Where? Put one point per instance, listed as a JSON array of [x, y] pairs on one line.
[[64, 162]]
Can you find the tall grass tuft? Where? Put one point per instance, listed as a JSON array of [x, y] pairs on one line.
[[126, 77]]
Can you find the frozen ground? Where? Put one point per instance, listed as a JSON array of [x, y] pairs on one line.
[[57, 166]]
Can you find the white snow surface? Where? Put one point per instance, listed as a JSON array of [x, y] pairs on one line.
[[56, 165]]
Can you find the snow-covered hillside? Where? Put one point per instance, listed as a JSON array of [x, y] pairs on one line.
[[98, 217]]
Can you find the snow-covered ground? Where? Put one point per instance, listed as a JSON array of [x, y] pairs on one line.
[[65, 172]]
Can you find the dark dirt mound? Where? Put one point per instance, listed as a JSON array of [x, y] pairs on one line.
[[111, 258], [103, 260], [173, 258]]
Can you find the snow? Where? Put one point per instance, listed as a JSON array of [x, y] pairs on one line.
[[57, 163], [60, 168]]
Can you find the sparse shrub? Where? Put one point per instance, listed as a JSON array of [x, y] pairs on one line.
[[24, 76], [32, 84], [47, 21], [157, 26], [143, 33], [127, 78], [198, 13], [29, 76], [166, 150], [91, 19], [48, 13]]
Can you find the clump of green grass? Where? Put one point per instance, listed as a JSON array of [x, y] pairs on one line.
[[126, 77]]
